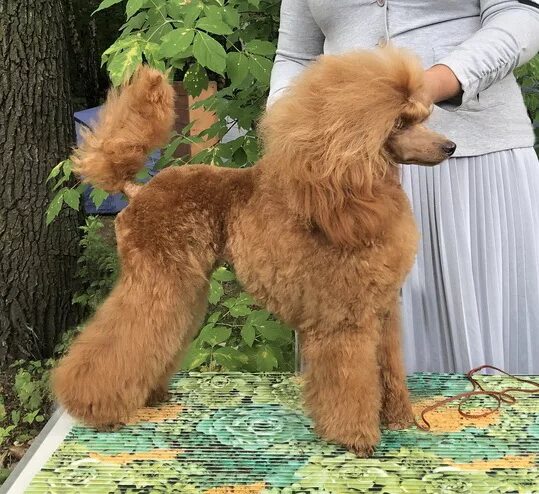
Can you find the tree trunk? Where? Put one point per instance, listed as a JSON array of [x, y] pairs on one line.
[[83, 54], [37, 263]]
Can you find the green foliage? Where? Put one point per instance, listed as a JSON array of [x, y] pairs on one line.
[[30, 401], [237, 335], [528, 77], [98, 265], [68, 191], [230, 42]]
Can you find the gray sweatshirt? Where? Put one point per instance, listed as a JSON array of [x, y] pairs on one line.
[[481, 41]]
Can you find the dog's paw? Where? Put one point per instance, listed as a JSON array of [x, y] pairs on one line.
[[403, 419], [110, 427], [361, 450], [157, 396], [400, 423], [362, 444], [397, 426], [86, 398]]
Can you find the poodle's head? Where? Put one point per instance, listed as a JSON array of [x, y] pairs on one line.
[[336, 132]]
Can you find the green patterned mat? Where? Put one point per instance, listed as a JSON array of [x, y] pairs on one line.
[[246, 434]]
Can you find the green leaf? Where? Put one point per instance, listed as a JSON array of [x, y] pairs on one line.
[[213, 318], [213, 25], [259, 47], [72, 198], [15, 417], [251, 149], [105, 4], [143, 174], [255, 3], [176, 42], [213, 335], [153, 56], [30, 417], [195, 79], [231, 16], [98, 196], [119, 44], [192, 12], [209, 52], [133, 6], [4, 472], [194, 357], [134, 23], [216, 292], [240, 310], [176, 9], [248, 334], [245, 299], [258, 317], [55, 171], [260, 67], [55, 206], [265, 360], [62, 180], [124, 63], [230, 358], [237, 67], [239, 158], [167, 157], [67, 167], [223, 274], [273, 331]]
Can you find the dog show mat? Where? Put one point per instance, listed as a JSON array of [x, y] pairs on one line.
[[240, 433]]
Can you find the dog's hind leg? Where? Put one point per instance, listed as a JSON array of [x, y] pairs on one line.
[[160, 391], [396, 408], [129, 347], [342, 390]]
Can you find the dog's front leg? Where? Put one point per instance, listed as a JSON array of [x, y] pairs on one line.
[[396, 410], [343, 391]]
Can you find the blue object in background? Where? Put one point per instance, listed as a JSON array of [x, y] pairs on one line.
[[114, 203]]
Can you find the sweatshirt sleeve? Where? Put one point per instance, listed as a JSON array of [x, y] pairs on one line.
[[300, 42], [508, 38]]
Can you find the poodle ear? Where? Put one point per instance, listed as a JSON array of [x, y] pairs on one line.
[[416, 109]]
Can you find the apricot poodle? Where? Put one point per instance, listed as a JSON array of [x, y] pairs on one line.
[[319, 231]]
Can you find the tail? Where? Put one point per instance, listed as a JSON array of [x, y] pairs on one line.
[[134, 120]]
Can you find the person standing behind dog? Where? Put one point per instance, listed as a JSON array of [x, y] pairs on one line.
[[473, 296]]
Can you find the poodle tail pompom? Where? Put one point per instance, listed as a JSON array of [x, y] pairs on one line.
[[134, 120]]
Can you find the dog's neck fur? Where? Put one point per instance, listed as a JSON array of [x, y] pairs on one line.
[[349, 220]]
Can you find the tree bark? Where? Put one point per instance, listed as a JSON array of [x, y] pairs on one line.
[[83, 54], [37, 262]]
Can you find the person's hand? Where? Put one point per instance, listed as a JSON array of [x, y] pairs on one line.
[[441, 83]]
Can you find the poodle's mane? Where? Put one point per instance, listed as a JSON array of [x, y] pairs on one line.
[[324, 139]]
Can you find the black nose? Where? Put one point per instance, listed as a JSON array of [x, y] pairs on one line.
[[449, 148]]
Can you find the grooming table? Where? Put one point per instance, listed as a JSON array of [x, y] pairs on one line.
[[246, 433]]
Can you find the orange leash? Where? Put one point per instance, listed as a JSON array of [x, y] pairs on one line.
[[502, 396]]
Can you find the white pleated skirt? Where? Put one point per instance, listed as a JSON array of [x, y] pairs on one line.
[[473, 295]]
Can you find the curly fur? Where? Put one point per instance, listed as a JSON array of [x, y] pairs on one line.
[[314, 143], [133, 121], [319, 232]]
